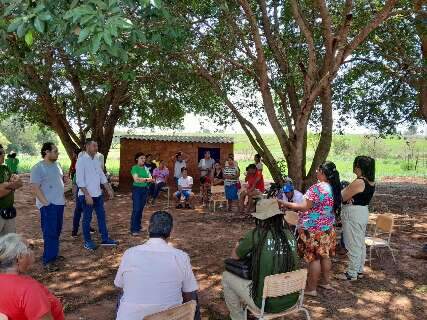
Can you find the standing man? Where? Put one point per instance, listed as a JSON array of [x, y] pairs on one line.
[[90, 177], [206, 165], [48, 186], [180, 161], [8, 184]]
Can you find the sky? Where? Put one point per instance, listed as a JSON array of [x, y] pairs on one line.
[[194, 124]]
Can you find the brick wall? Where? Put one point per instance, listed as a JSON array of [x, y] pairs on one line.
[[167, 150]]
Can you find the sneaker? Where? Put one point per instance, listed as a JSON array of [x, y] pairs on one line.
[[109, 242], [92, 230], [345, 276], [74, 234], [179, 206], [90, 245], [187, 206], [51, 267]]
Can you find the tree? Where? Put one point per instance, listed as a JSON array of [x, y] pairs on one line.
[[384, 84], [82, 67], [23, 137], [278, 59]]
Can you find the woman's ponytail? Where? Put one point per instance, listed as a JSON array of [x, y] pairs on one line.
[[333, 176]]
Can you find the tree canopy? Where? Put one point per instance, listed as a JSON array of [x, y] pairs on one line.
[[82, 67], [85, 66]]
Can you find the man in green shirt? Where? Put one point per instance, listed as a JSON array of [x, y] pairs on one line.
[[8, 184], [272, 250], [12, 162]]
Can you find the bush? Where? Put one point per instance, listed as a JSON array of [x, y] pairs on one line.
[[340, 146]]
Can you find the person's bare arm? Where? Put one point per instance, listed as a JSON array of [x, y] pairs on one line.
[[352, 189], [39, 194], [5, 189], [303, 206], [234, 252]]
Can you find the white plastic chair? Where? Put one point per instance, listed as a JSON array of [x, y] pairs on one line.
[[217, 195], [383, 225], [280, 285], [185, 311]]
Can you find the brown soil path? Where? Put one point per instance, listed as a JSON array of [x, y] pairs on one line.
[[85, 283]]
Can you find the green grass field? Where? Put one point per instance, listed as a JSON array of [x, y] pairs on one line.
[[395, 156]]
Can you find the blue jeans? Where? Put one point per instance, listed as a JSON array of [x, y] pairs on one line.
[[52, 217], [139, 198], [98, 206], [184, 193], [155, 189], [78, 210]]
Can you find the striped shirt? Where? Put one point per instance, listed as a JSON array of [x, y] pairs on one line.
[[230, 171]]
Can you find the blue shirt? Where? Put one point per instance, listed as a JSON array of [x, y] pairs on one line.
[[49, 177]]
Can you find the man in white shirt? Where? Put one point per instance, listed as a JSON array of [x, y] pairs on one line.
[[206, 165], [89, 177], [180, 162], [289, 194], [155, 276], [185, 183]]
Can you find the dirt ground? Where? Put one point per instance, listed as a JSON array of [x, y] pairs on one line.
[[389, 291]]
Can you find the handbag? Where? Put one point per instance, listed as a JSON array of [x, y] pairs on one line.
[[8, 213], [240, 268]]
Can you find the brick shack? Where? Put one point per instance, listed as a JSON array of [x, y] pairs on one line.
[[193, 147]]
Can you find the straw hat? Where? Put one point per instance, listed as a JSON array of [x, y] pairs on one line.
[[266, 208]]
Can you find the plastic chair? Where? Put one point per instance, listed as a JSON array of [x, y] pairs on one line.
[[280, 285], [3, 317], [217, 195], [383, 225], [184, 311]]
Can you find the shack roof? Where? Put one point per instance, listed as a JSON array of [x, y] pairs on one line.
[[178, 138]]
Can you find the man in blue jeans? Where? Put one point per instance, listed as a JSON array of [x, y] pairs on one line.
[[48, 186], [89, 179]]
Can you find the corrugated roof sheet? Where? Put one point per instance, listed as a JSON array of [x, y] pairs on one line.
[[200, 139]]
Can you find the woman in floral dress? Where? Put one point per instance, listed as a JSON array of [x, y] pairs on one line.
[[317, 238]]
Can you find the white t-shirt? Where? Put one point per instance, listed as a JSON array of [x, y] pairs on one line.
[[178, 167], [297, 198], [205, 166], [185, 183], [153, 277]]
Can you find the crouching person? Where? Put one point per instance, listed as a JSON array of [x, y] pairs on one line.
[[272, 248], [155, 276]]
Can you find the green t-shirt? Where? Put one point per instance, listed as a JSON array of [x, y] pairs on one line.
[[6, 201], [141, 172], [269, 266], [12, 164]]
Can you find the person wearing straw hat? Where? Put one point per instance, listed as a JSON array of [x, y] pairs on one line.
[[272, 249]]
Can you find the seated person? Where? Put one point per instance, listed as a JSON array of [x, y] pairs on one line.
[[289, 194], [255, 188], [22, 297], [160, 175], [185, 183], [155, 276], [272, 249], [218, 175], [205, 186]]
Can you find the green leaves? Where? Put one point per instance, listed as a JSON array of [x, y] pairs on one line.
[[84, 33], [39, 25], [29, 38]]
